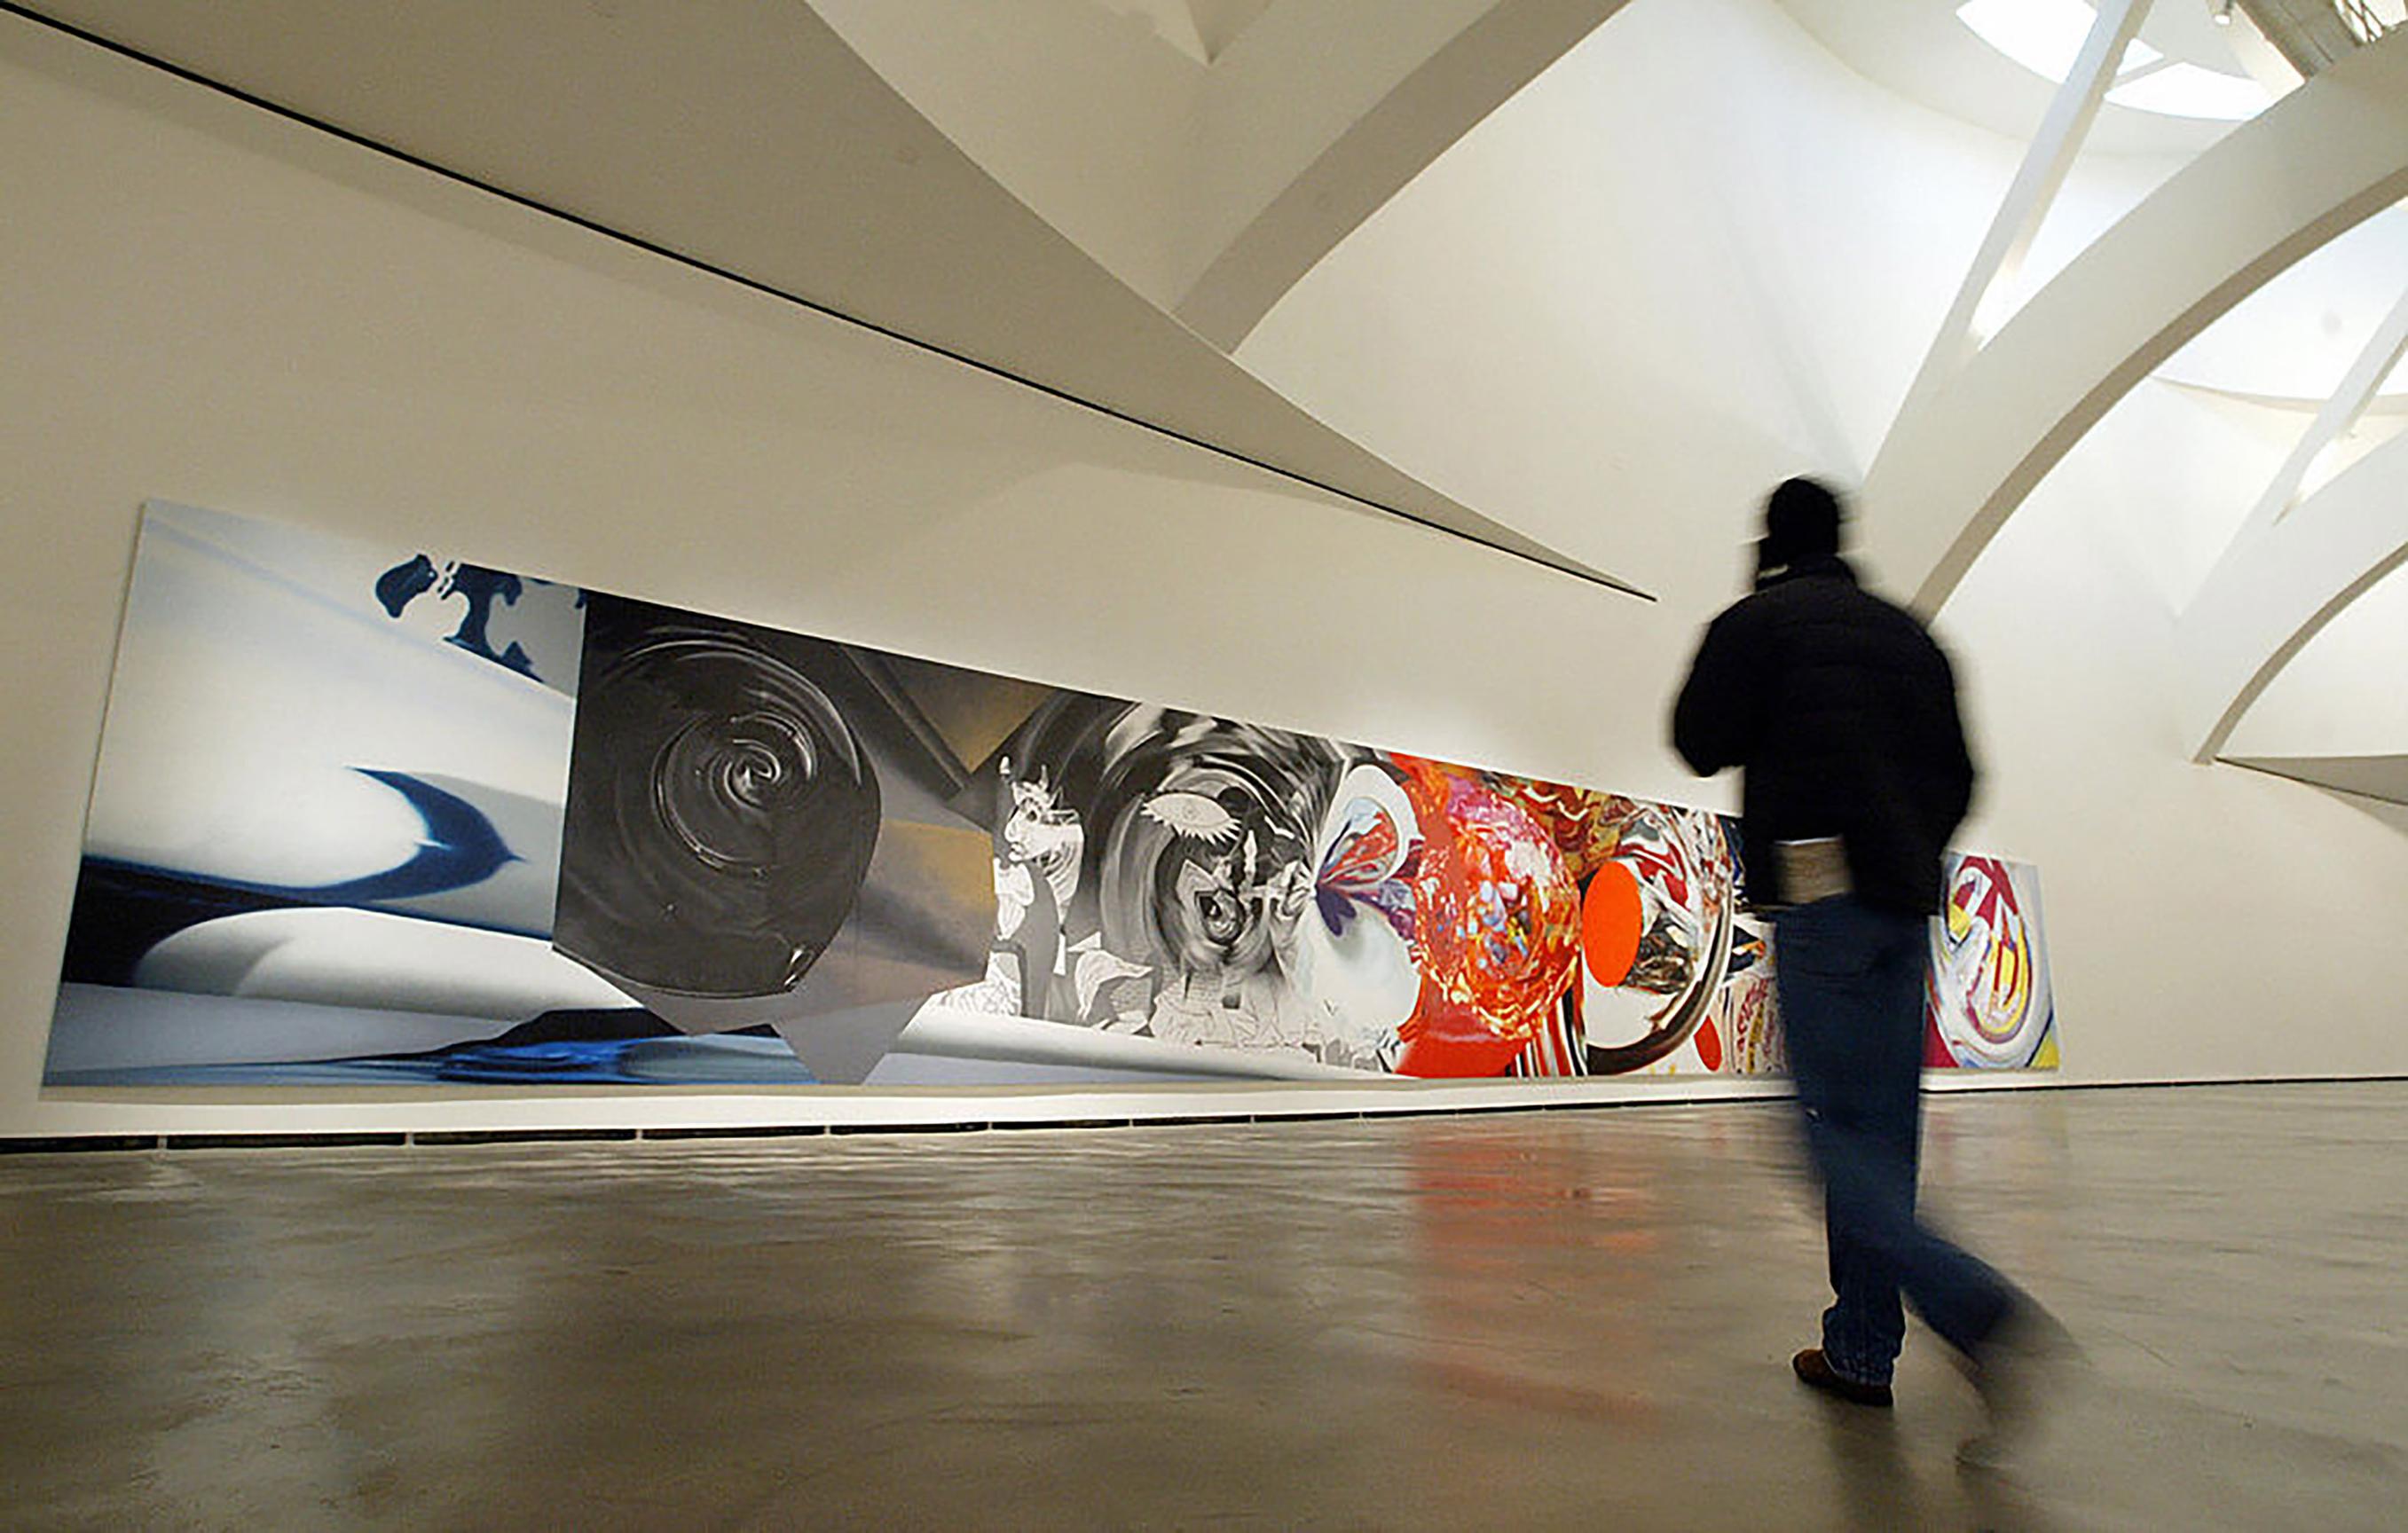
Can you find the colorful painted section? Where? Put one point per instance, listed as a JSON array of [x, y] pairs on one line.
[[376, 815], [1991, 1005]]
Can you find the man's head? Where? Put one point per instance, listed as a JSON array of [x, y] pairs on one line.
[[1801, 519]]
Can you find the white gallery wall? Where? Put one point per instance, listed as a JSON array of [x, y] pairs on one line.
[[1696, 256], [1701, 255], [208, 305]]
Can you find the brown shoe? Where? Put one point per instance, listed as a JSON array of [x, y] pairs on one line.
[[1815, 1371]]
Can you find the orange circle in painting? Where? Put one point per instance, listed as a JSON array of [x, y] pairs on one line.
[[1710, 1045], [1610, 924]]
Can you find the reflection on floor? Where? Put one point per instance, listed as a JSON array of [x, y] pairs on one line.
[[1542, 1320]]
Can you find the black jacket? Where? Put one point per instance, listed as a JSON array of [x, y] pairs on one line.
[[1842, 712]]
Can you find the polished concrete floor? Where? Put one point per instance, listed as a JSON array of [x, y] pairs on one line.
[[1575, 1320]]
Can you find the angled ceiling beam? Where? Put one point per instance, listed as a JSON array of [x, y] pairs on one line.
[[2309, 34], [747, 140], [2383, 777], [1351, 176], [2339, 414], [2315, 164], [2275, 590], [2025, 205]]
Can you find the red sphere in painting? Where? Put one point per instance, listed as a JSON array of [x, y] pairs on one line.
[[1496, 925], [1612, 918]]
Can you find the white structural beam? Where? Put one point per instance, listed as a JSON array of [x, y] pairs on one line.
[[747, 136], [2275, 588], [2045, 162], [2339, 412], [1210, 180], [1958, 463], [2383, 775], [2277, 583], [1270, 230]]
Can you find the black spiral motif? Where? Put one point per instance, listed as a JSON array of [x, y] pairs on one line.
[[720, 785], [721, 811]]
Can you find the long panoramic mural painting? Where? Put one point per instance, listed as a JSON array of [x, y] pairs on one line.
[[376, 815]]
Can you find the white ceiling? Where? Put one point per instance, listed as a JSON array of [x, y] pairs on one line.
[[1199, 28], [1920, 50], [2294, 337], [748, 136]]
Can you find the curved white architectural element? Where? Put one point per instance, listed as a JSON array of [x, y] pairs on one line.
[[1331, 186], [751, 138], [1209, 179], [1960, 461], [2279, 583], [2369, 776]]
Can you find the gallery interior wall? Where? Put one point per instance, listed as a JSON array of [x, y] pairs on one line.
[[1750, 247], [210, 305]]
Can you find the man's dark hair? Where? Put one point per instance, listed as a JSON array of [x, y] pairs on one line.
[[1801, 519]]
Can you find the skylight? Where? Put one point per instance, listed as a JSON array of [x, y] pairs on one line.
[[2185, 89], [2045, 37]]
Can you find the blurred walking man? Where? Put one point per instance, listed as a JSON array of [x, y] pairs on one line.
[[1841, 713]]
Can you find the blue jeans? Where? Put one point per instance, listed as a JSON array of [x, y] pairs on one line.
[[1850, 982]]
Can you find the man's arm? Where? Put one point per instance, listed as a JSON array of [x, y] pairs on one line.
[[1714, 719], [1956, 774]]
